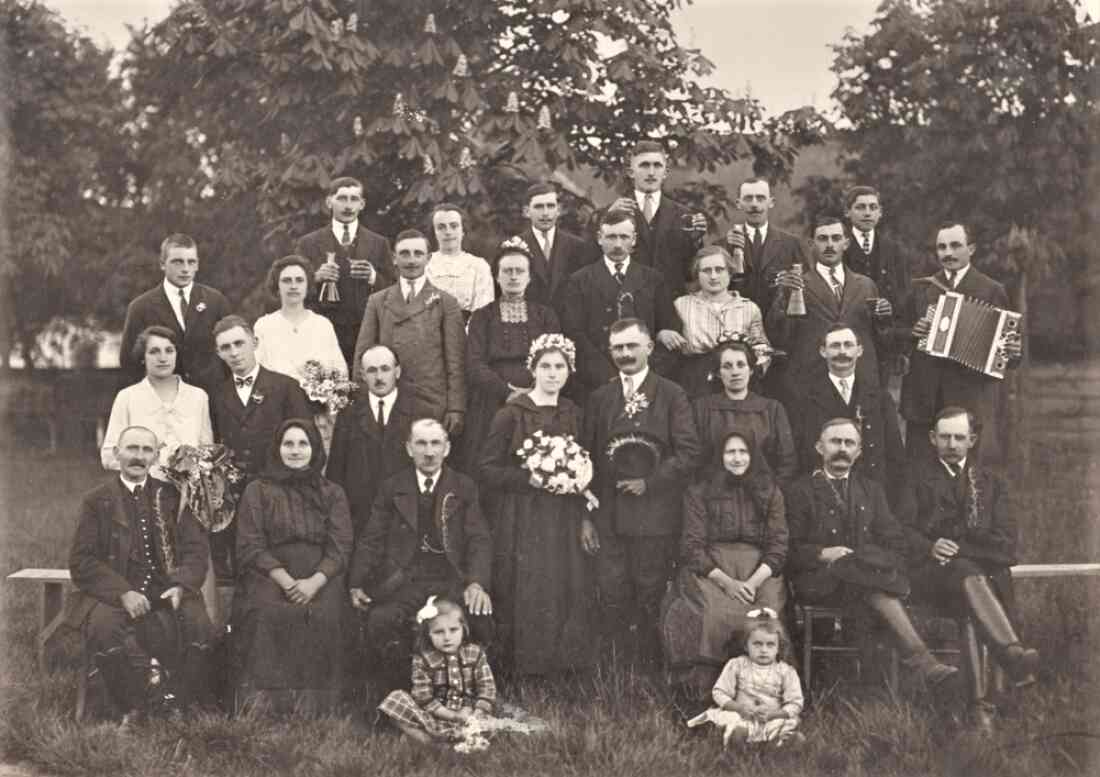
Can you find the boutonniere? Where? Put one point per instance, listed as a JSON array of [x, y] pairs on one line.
[[167, 548], [974, 506], [200, 307], [257, 398], [449, 500], [432, 298], [859, 414], [635, 404]]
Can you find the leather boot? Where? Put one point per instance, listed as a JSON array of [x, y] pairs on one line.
[[914, 652], [1018, 660], [125, 686], [191, 682]]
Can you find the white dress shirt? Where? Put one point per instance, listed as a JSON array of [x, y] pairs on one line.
[[545, 239], [338, 230], [637, 379], [851, 379], [961, 465], [959, 275], [131, 486], [415, 285], [639, 197], [173, 293], [245, 392], [825, 272], [387, 401], [421, 478], [865, 237], [611, 265]]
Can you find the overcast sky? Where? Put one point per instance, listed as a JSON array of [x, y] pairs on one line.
[[779, 49]]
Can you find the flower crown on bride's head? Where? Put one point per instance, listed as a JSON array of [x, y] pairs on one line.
[[552, 342], [514, 244]]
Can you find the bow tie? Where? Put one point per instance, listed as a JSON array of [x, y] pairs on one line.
[[243, 382]]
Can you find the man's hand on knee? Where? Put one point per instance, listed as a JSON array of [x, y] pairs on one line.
[[135, 604]]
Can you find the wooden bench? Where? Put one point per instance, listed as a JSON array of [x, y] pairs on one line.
[[53, 584], [806, 614]]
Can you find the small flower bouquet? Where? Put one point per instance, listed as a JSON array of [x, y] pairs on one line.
[[205, 476], [329, 387], [559, 465]]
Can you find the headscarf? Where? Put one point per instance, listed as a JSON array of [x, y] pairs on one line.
[[308, 480], [757, 479]]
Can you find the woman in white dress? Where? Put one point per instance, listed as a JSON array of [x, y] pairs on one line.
[[177, 412], [464, 276], [294, 335]]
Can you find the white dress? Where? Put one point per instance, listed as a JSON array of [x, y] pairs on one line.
[[285, 347], [185, 421], [465, 277]]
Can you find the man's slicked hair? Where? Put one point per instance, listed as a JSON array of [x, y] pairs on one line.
[[176, 240]]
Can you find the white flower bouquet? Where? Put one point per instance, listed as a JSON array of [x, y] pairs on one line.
[[559, 465], [329, 387]]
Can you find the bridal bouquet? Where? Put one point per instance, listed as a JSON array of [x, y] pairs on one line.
[[329, 387], [205, 476], [559, 465]]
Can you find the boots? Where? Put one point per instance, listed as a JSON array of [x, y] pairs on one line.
[[191, 682], [915, 653], [125, 686], [1018, 660]]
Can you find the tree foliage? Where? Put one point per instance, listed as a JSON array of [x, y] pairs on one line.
[[65, 169], [979, 110], [440, 100]]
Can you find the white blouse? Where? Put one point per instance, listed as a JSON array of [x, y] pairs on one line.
[[184, 421], [285, 347], [706, 324], [465, 277]]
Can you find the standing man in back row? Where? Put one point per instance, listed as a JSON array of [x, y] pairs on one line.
[[663, 243], [362, 262], [555, 253], [188, 308]]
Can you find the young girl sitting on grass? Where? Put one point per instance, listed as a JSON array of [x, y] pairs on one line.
[[451, 678], [759, 695]]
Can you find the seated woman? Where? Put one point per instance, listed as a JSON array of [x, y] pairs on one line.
[[713, 314], [463, 275], [762, 420], [176, 412], [293, 542], [499, 337], [732, 550]]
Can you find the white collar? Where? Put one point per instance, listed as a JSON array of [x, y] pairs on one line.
[[338, 229], [961, 465], [834, 477], [131, 486], [860, 234], [836, 382], [640, 196], [421, 477], [763, 229], [387, 402], [959, 275], [173, 293], [825, 272], [250, 374], [611, 265], [416, 285], [638, 378], [547, 235]]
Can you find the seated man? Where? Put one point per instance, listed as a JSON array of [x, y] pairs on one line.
[[137, 587], [847, 549], [963, 541], [425, 536]]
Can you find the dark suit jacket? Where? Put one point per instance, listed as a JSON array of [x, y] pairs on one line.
[[934, 383], [197, 361], [391, 539], [594, 301], [883, 456], [549, 277], [668, 420], [347, 314], [363, 454], [100, 553], [779, 251], [800, 336], [817, 520], [663, 245], [888, 266], [429, 338], [247, 430], [934, 505]]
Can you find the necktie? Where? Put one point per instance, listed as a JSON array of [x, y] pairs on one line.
[[628, 387], [950, 277], [183, 308], [865, 242], [845, 390], [842, 489], [838, 287], [647, 207], [243, 382], [620, 276], [953, 469], [427, 486], [544, 242], [381, 412], [410, 294], [345, 239], [757, 242]]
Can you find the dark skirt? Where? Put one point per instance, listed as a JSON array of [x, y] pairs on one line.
[[288, 647], [541, 584], [699, 622]]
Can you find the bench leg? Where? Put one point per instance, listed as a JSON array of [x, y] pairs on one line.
[[49, 618], [807, 648]]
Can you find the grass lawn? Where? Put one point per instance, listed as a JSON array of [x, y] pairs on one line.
[[610, 724]]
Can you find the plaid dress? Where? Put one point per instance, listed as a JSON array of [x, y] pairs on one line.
[[440, 680], [766, 688]]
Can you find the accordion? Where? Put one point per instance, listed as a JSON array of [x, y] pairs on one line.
[[970, 332]]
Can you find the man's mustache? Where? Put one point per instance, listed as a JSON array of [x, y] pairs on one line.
[[841, 456]]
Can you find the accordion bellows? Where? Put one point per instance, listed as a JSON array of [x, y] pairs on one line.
[[970, 332]]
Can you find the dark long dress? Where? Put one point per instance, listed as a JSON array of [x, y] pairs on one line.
[[764, 422], [283, 646], [496, 355], [540, 577]]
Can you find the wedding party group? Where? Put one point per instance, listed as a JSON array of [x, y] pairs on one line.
[[428, 474]]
